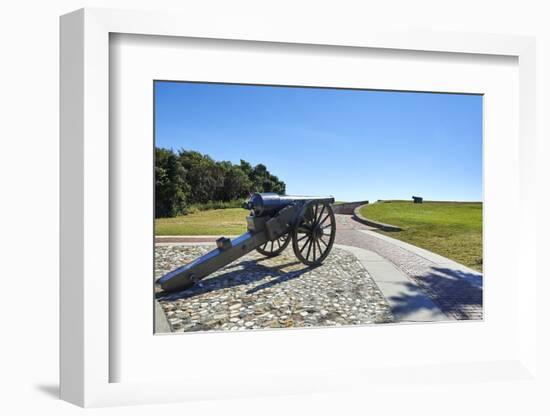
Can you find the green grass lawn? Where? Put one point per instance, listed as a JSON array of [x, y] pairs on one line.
[[230, 221], [451, 229]]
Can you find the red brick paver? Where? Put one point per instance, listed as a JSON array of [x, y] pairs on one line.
[[448, 288]]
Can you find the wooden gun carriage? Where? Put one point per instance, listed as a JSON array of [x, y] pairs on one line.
[[274, 221]]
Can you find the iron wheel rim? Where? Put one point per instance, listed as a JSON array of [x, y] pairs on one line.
[[274, 247], [314, 234]]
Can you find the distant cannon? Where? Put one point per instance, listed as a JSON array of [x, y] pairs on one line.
[[273, 222]]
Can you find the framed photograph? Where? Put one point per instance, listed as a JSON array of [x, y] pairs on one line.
[[307, 247], [280, 212]]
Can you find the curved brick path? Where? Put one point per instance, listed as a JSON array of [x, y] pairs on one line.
[[448, 286]]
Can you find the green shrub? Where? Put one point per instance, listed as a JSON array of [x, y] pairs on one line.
[[206, 206]]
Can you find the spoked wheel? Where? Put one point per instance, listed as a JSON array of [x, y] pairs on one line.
[[313, 237], [274, 247]]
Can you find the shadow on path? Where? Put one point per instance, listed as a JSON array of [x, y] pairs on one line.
[[248, 271], [450, 289], [281, 279], [410, 300]]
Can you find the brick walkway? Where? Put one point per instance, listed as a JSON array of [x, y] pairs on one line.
[[448, 287]]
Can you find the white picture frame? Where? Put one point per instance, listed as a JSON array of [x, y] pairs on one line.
[[87, 356]]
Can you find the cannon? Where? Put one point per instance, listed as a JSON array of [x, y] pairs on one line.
[[274, 221]]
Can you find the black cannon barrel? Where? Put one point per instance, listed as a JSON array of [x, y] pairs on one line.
[[268, 203]]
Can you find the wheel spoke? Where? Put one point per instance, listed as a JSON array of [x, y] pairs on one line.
[[305, 244], [327, 234], [320, 215], [314, 248], [302, 230], [328, 215], [314, 219], [313, 214], [275, 246], [309, 248], [301, 238], [319, 246]]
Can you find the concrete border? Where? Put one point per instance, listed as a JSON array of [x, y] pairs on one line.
[[367, 221], [408, 302], [472, 276], [162, 326], [186, 243], [206, 237], [346, 208], [188, 240]]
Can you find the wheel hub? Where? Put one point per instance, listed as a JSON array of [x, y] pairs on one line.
[[317, 232], [316, 222]]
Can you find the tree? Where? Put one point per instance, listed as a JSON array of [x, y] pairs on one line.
[[246, 168], [189, 177], [170, 184], [236, 184], [203, 176], [264, 181]]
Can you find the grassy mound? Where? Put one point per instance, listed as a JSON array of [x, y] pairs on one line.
[[230, 221], [451, 229]]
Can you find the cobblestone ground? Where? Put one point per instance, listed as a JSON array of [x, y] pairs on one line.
[[257, 292], [456, 297]]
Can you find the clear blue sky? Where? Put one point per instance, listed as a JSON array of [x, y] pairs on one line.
[[352, 144]]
